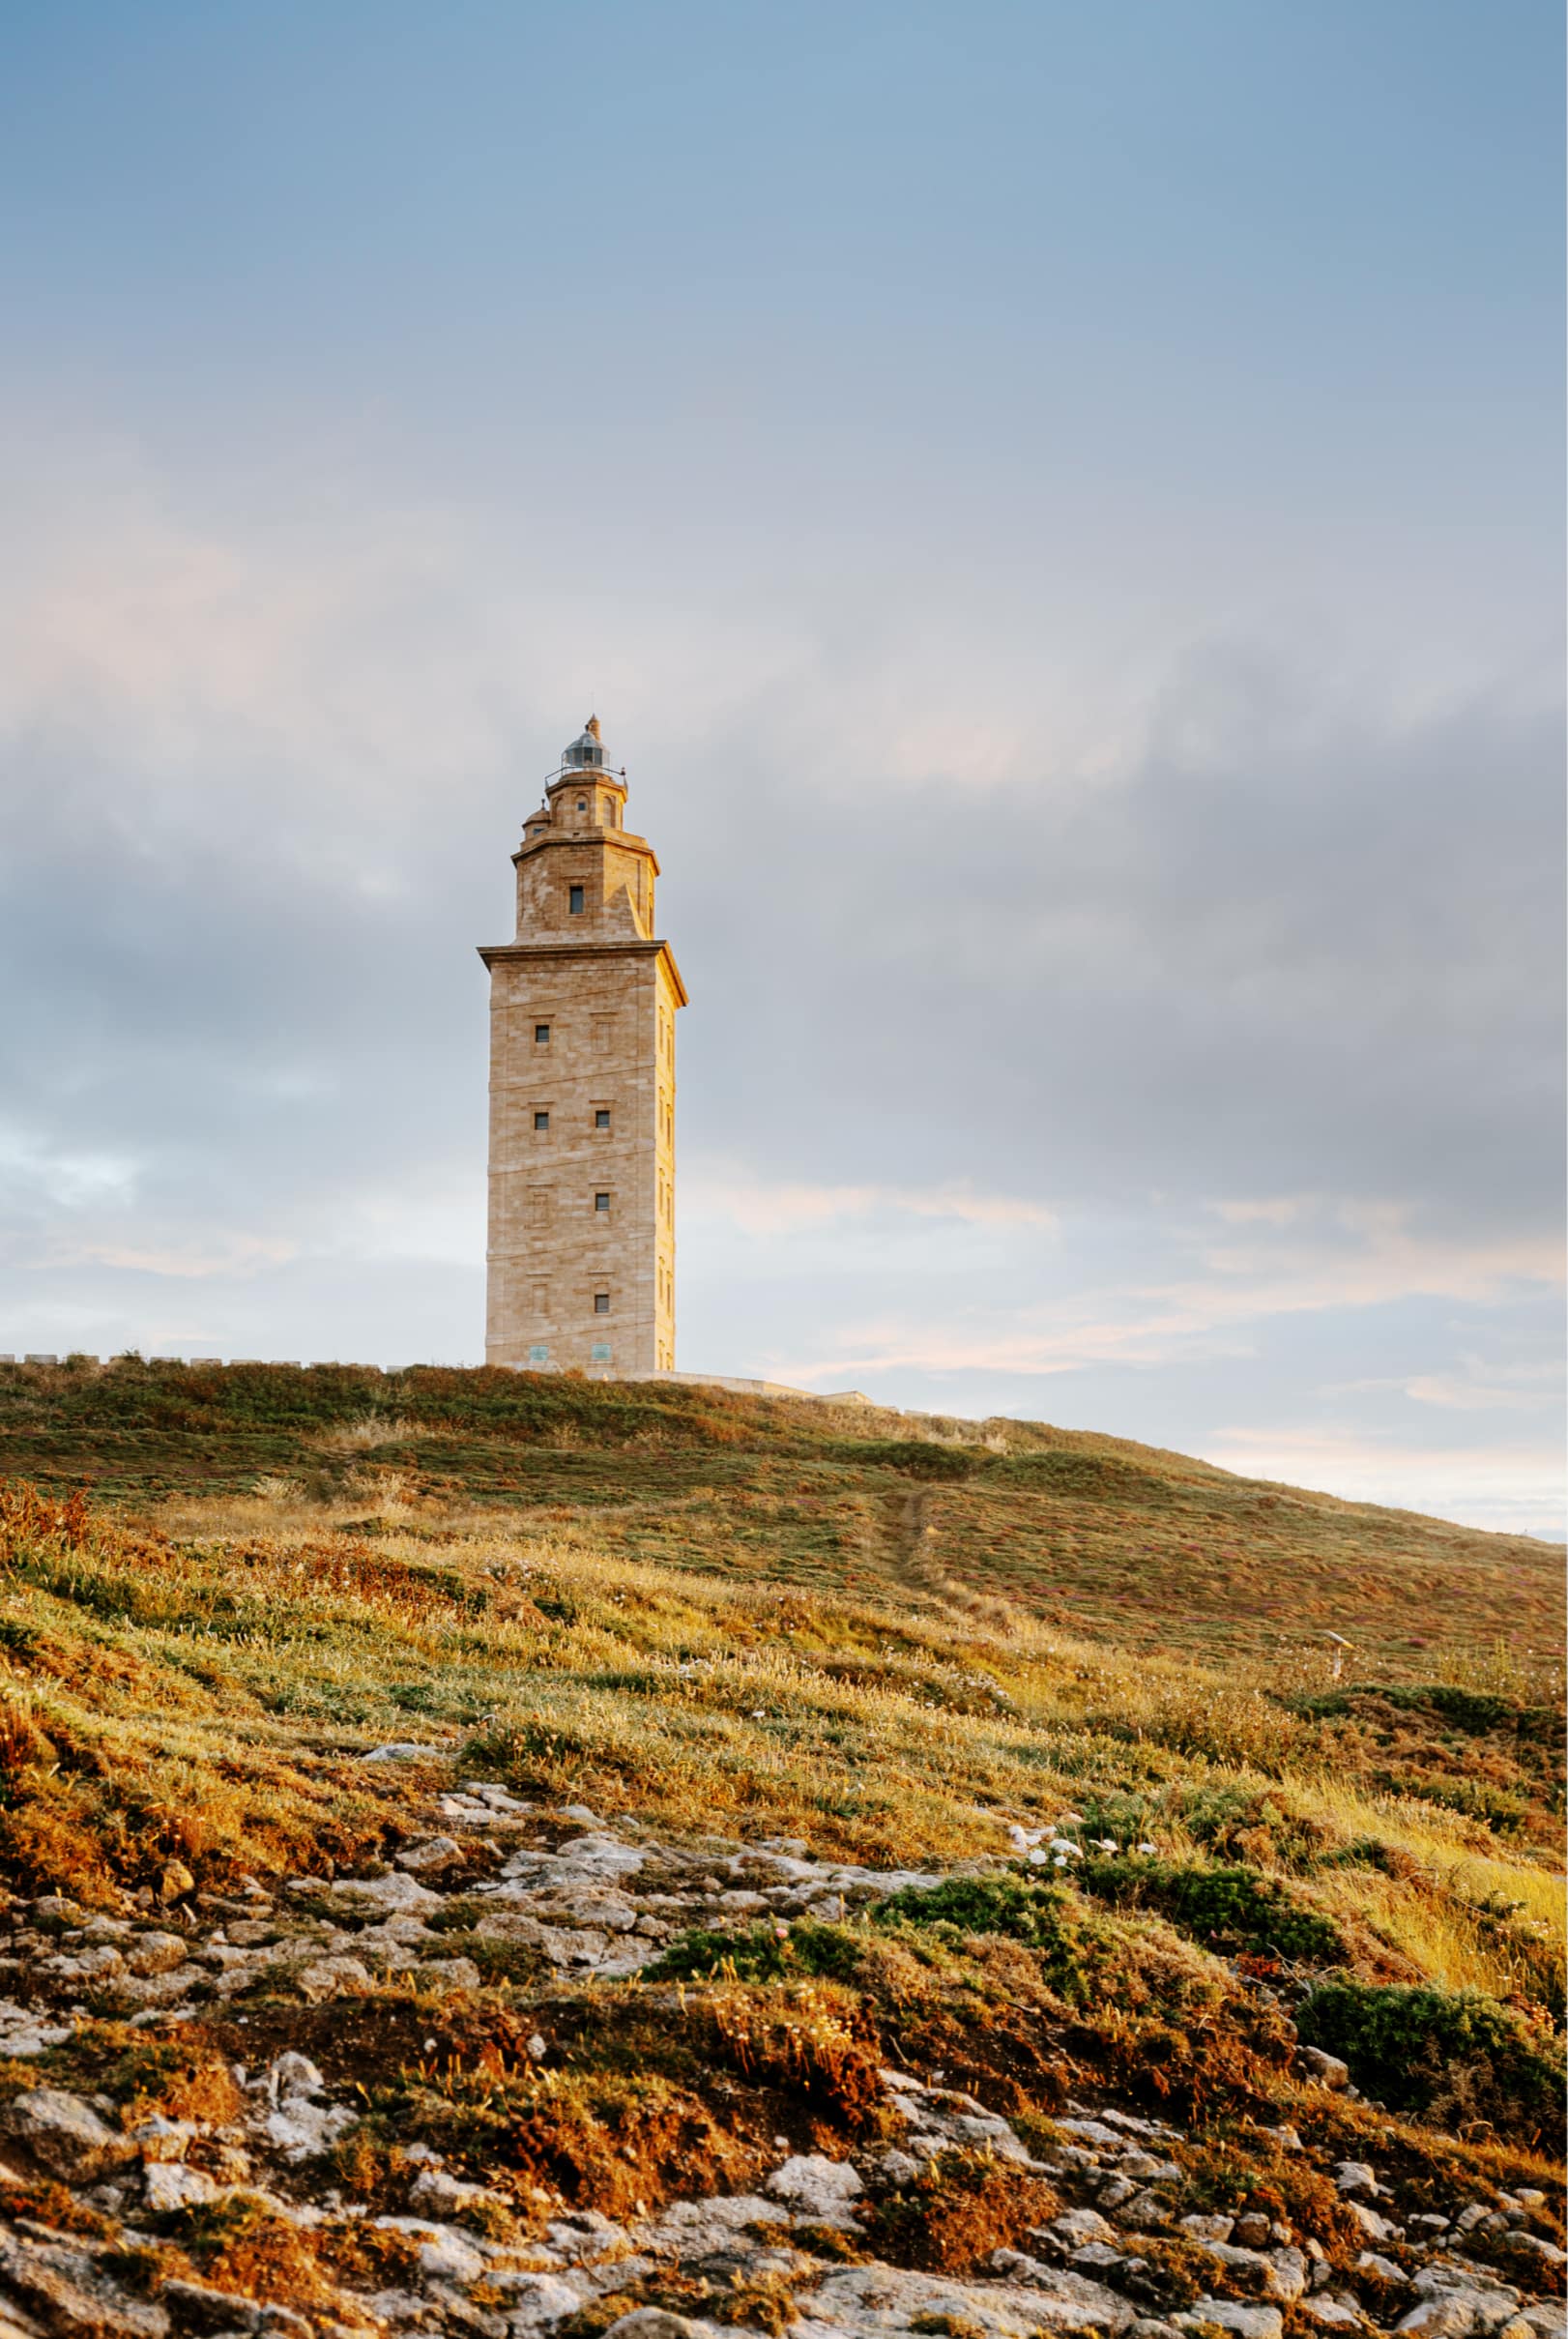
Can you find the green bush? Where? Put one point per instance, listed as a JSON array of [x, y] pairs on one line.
[[826, 1952], [915, 1457], [1223, 1907], [1015, 1906], [1018, 1908], [1091, 1477], [1455, 2053]]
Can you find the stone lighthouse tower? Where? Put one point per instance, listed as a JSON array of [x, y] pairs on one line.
[[582, 1092]]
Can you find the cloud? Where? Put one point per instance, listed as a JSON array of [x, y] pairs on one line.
[[752, 1203], [1349, 1260], [1510, 1486], [240, 1254]]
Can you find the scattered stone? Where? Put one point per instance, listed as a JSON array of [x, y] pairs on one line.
[[333, 1977], [601, 1904], [1326, 2069], [449, 1974], [1357, 2176], [152, 1953], [1074, 2228], [65, 2285], [816, 2187], [1375, 2227], [25, 2031], [301, 2128], [435, 1853], [435, 2190], [877, 2300], [444, 2254], [1458, 2314], [193, 2307], [654, 2323], [1334, 2311], [391, 1895], [1535, 2245], [293, 2074], [537, 2301], [1209, 2229], [155, 1990], [1280, 2274], [167, 2184], [696, 2229], [66, 2136], [1247, 2322]]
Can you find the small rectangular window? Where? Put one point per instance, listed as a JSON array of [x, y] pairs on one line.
[[602, 1202], [602, 1118], [574, 901], [601, 1304], [541, 1034], [541, 1121]]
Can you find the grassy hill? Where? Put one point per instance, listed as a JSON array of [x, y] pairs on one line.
[[1151, 1550], [733, 1632]]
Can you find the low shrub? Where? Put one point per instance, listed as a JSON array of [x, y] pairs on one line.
[[956, 2211], [1231, 1907], [759, 1953], [915, 1457], [1454, 2054], [1015, 1905]]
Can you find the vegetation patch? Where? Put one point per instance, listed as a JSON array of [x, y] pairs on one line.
[[762, 1953], [1233, 1908], [956, 2211], [1454, 2054]]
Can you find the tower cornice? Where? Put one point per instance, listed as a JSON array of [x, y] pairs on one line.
[[512, 953], [595, 839]]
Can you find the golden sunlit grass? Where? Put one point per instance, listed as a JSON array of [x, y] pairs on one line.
[[208, 1699]]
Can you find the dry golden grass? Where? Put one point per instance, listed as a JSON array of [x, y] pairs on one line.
[[207, 1700]]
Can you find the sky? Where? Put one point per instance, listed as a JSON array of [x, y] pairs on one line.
[[1060, 511]]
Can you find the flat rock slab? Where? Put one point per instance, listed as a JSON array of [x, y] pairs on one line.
[[857, 2300]]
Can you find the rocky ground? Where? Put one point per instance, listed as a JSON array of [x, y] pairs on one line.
[[199, 2133]]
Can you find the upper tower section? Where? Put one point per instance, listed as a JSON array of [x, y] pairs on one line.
[[581, 875]]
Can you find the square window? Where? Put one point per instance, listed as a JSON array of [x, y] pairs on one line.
[[541, 1034], [574, 901], [541, 1121], [602, 1118], [539, 1354], [601, 1304], [599, 1353], [602, 1202]]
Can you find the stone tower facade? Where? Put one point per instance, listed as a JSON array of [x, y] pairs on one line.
[[581, 1258]]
